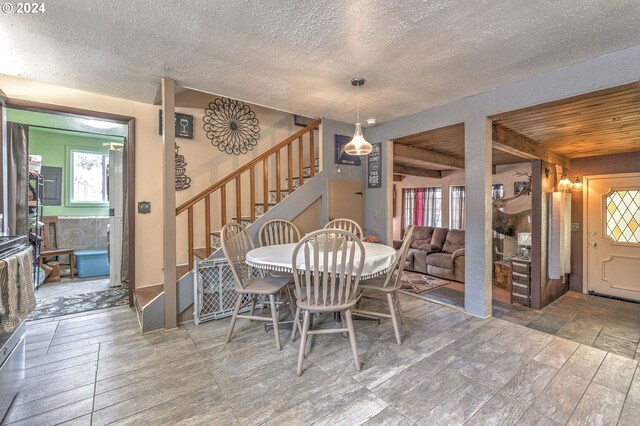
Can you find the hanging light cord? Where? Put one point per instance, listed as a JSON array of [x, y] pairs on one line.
[[357, 103]]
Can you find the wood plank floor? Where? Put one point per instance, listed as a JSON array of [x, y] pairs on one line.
[[451, 369]]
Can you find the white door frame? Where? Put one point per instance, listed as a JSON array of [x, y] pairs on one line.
[[585, 221]]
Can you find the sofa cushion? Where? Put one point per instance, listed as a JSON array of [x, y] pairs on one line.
[[429, 248], [421, 235], [454, 241], [439, 237], [441, 260], [410, 255]]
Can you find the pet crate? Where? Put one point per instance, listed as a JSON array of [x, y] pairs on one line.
[[214, 290]]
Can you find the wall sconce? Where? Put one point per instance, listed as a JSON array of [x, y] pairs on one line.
[[565, 184]]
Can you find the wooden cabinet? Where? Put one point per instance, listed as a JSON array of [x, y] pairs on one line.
[[521, 281], [503, 274]]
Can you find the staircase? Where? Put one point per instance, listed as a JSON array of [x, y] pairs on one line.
[[278, 181]]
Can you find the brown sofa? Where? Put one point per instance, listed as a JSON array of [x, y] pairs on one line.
[[436, 251]]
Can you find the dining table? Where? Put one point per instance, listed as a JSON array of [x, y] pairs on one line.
[[378, 259]]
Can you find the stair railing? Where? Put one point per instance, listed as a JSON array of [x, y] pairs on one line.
[[236, 176]]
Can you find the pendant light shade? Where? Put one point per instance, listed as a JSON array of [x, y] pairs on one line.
[[565, 184], [358, 145], [577, 185]]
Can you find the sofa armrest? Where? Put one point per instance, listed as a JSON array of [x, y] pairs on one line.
[[429, 248], [458, 253], [397, 244]]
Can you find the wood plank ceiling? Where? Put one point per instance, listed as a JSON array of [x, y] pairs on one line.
[[450, 140], [597, 123]]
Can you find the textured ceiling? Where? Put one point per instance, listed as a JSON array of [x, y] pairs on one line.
[[299, 55]]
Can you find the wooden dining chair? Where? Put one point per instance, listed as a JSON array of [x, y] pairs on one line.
[[278, 231], [346, 225], [326, 279], [389, 284], [236, 243]]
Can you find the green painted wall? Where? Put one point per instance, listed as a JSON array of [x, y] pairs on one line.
[[55, 147]]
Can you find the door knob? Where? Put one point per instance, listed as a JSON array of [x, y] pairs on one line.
[[594, 244]]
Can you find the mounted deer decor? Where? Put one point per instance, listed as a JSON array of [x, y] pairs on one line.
[[509, 224]]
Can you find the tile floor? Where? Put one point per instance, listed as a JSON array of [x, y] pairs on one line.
[[68, 287], [602, 323], [452, 368]]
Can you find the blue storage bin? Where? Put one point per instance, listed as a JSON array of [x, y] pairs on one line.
[[91, 263]]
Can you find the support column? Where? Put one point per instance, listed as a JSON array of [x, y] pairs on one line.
[[478, 211], [169, 203]]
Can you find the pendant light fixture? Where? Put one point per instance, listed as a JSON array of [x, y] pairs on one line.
[[358, 145]]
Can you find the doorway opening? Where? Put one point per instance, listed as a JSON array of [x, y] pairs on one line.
[[77, 202], [429, 192]]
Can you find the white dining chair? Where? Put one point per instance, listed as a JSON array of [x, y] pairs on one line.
[[346, 225], [389, 284], [278, 231], [236, 243], [326, 280]]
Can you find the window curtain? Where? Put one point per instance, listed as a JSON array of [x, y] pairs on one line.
[[17, 163], [457, 207], [421, 206]]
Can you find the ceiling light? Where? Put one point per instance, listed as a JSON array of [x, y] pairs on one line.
[[371, 121], [358, 145]]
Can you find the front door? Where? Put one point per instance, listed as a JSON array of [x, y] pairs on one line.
[[613, 235]]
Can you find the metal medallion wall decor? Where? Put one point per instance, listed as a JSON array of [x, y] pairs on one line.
[[231, 126], [182, 180]]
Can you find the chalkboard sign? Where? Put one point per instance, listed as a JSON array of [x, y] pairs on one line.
[[184, 125], [374, 166], [342, 157]]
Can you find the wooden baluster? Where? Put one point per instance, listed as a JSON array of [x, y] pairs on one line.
[[207, 224], [223, 204], [278, 177], [238, 200], [265, 185], [290, 168], [190, 235], [252, 188], [312, 154], [301, 160]]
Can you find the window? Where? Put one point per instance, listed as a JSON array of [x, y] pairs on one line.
[[421, 206], [89, 177], [622, 215], [456, 202], [497, 191]]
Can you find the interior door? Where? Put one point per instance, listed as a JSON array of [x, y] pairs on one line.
[[346, 200], [116, 220], [613, 235]]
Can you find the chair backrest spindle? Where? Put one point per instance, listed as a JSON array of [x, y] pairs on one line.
[[278, 231], [346, 225], [236, 243], [333, 262]]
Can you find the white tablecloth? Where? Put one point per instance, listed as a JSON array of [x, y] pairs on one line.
[[378, 259]]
